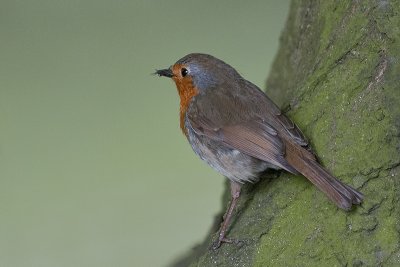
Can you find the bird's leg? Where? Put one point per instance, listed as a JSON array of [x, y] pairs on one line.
[[235, 193]]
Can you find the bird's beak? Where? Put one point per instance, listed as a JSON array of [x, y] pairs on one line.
[[165, 72]]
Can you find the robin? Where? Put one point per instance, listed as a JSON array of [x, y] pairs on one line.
[[233, 126]]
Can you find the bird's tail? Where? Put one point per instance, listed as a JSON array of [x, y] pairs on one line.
[[344, 196]]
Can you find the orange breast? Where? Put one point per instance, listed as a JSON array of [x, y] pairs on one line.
[[186, 91]]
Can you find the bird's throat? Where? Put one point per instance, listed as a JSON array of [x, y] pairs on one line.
[[186, 91]]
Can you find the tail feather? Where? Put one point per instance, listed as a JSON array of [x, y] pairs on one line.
[[344, 196]]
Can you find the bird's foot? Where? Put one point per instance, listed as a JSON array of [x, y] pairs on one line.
[[219, 242]]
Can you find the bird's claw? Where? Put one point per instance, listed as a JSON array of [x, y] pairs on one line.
[[219, 242]]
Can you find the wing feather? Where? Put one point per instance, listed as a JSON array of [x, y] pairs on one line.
[[254, 138]]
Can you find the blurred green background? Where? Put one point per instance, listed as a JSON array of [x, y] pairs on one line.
[[94, 170]]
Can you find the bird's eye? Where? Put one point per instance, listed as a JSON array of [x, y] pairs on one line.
[[184, 72]]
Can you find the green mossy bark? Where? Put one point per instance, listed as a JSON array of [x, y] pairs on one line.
[[337, 75]]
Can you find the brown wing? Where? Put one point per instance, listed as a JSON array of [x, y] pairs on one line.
[[253, 138], [276, 118], [229, 119]]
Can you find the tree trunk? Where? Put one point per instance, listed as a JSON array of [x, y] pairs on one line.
[[337, 75]]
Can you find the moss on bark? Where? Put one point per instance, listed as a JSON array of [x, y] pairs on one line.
[[337, 75]]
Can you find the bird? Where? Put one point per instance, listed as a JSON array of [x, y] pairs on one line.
[[234, 127]]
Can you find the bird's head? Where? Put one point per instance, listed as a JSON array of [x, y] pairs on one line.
[[200, 71]]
